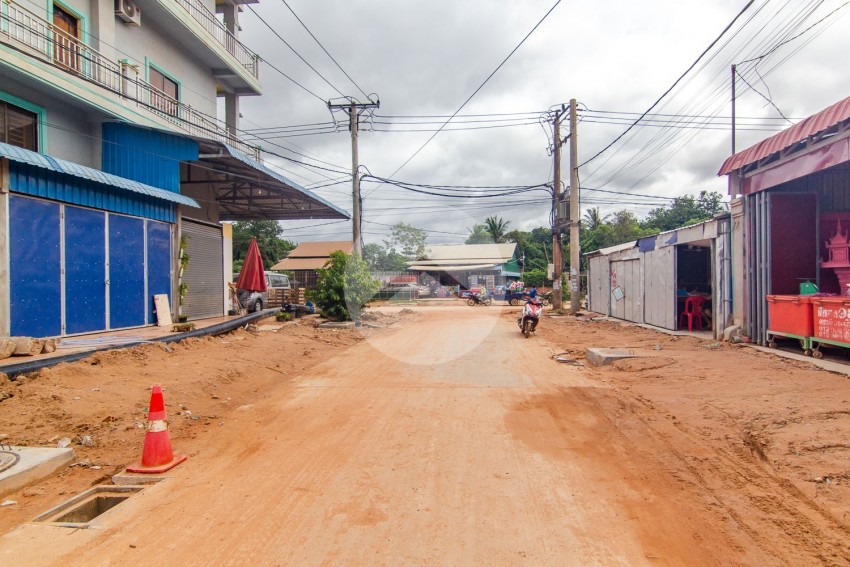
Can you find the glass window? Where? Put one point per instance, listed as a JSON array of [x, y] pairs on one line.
[[18, 127], [165, 86]]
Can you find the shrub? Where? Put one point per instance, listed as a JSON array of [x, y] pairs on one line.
[[343, 287]]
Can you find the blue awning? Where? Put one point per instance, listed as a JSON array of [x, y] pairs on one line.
[[20, 155]]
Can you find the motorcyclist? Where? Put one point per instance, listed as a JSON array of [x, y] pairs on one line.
[[533, 293]]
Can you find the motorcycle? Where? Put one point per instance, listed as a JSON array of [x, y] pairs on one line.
[[530, 316], [477, 299]]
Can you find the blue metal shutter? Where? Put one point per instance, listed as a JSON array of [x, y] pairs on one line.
[[85, 270], [35, 276], [126, 272], [159, 263]]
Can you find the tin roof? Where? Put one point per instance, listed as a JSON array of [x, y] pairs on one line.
[[470, 253], [823, 120], [312, 255], [43, 161]]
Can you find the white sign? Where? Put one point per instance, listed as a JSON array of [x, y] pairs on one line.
[[556, 284], [550, 270]]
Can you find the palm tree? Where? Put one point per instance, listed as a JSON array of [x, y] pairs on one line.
[[496, 227], [594, 218]]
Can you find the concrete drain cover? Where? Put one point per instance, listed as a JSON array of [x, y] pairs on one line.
[[85, 507]]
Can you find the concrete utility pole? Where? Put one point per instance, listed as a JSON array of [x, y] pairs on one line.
[[575, 245], [354, 108], [557, 252]]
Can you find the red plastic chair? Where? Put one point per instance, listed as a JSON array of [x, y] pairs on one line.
[[692, 313]]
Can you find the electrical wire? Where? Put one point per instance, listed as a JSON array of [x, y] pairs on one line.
[[476, 91], [286, 43], [285, 3], [676, 82]]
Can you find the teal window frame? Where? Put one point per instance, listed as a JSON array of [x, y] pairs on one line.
[[39, 111], [149, 64]]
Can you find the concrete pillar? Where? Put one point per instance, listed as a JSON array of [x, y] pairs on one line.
[[102, 28], [231, 113], [5, 298], [738, 252], [231, 17]]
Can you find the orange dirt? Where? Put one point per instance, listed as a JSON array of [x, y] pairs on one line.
[[447, 438]]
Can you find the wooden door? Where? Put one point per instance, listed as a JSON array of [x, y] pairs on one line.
[[66, 43]]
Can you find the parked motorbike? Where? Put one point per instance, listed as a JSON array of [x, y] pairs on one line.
[[478, 299], [530, 316]]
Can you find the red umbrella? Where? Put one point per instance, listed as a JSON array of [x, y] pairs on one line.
[[252, 276]]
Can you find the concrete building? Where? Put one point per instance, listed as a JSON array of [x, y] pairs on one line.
[[112, 153], [308, 257], [469, 265]]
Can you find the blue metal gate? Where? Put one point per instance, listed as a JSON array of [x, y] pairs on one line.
[[34, 268], [126, 271], [85, 270]]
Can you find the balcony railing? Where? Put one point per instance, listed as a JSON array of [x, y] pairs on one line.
[[206, 18], [38, 38]]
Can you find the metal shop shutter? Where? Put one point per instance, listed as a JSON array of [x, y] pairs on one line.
[[205, 272], [35, 272]]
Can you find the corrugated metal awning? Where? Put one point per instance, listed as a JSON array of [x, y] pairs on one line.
[[247, 189], [35, 159], [823, 120]]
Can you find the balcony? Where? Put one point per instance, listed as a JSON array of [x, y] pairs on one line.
[[207, 19], [36, 37]]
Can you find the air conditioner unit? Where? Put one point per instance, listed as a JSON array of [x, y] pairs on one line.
[[128, 12]]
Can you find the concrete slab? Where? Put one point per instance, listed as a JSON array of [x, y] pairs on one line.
[[125, 478], [33, 464], [603, 356]]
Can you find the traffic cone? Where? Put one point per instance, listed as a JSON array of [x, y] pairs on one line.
[[157, 456]]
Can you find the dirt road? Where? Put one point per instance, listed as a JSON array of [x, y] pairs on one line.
[[450, 440]]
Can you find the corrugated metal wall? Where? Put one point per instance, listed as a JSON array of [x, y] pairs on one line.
[[205, 272], [598, 285], [146, 156], [39, 182], [660, 287]]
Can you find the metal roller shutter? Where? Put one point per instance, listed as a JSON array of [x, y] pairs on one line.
[[205, 272]]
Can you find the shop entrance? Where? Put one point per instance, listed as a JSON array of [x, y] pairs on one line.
[[693, 280]]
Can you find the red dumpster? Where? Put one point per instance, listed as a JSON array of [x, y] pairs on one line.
[[790, 314], [831, 318]]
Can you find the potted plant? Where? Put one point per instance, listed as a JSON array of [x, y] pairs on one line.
[[182, 287], [283, 316]]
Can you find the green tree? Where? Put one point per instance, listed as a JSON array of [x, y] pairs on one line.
[[407, 240], [380, 259], [496, 227], [684, 211], [269, 235], [478, 235], [343, 287], [593, 218]]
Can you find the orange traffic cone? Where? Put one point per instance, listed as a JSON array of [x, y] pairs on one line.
[[157, 456]]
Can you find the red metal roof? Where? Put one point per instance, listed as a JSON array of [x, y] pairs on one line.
[[838, 112]]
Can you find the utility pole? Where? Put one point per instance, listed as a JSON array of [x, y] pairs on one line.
[[354, 109], [557, 252], [734, 71], [575, 245]]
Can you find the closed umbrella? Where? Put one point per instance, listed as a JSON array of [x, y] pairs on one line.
[[252, 277]]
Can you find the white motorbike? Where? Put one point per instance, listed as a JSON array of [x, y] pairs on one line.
[[530, 316]]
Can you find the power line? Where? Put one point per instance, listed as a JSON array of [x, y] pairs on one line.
[[286, 43], [481, 86], [682, 76], [325, 50]]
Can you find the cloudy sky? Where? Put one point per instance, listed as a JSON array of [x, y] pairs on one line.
[[423, 59]]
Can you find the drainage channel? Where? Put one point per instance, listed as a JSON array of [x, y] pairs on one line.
[[78, 511]]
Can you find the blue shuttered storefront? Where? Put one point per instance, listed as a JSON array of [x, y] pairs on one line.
[[111, 263]]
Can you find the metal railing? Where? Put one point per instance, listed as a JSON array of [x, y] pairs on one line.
[[217, 29], [38, 38]]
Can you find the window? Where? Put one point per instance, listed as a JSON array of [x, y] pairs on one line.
[[66, 44], [166, 93], [18, 127]]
